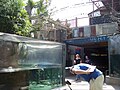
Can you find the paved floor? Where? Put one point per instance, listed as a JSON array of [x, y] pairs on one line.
[[83, 85]]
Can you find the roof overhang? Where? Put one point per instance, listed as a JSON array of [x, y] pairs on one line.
[[88, 41]]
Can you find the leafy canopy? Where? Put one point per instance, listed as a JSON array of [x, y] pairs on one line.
[[14, 18]]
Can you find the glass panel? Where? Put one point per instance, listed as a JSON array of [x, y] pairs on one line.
[[45, 79], [35, 53], [31, 64], [115, 55]]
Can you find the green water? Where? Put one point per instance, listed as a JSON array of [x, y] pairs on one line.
[[45, 79], [32, 78]]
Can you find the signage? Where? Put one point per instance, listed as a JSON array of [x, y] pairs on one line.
[[87, 40]]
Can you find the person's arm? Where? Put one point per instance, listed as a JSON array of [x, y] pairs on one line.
[[74, 62], [81, 60], [91, 69], [79, 71]]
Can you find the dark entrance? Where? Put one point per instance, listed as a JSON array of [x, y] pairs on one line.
[[96, 48], [98, 56]]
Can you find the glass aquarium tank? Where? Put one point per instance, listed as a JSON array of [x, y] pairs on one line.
[[114, 52], [31, 64]]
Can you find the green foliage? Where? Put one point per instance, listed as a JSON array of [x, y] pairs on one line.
[[41, 11], [30, 6], [42, 7], [14, 18]]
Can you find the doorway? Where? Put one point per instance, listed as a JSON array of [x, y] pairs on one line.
[[99, 57]]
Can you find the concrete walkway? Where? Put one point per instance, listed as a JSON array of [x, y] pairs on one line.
[[83, 85]]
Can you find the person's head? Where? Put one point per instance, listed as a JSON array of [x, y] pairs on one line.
[[77, 55]]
